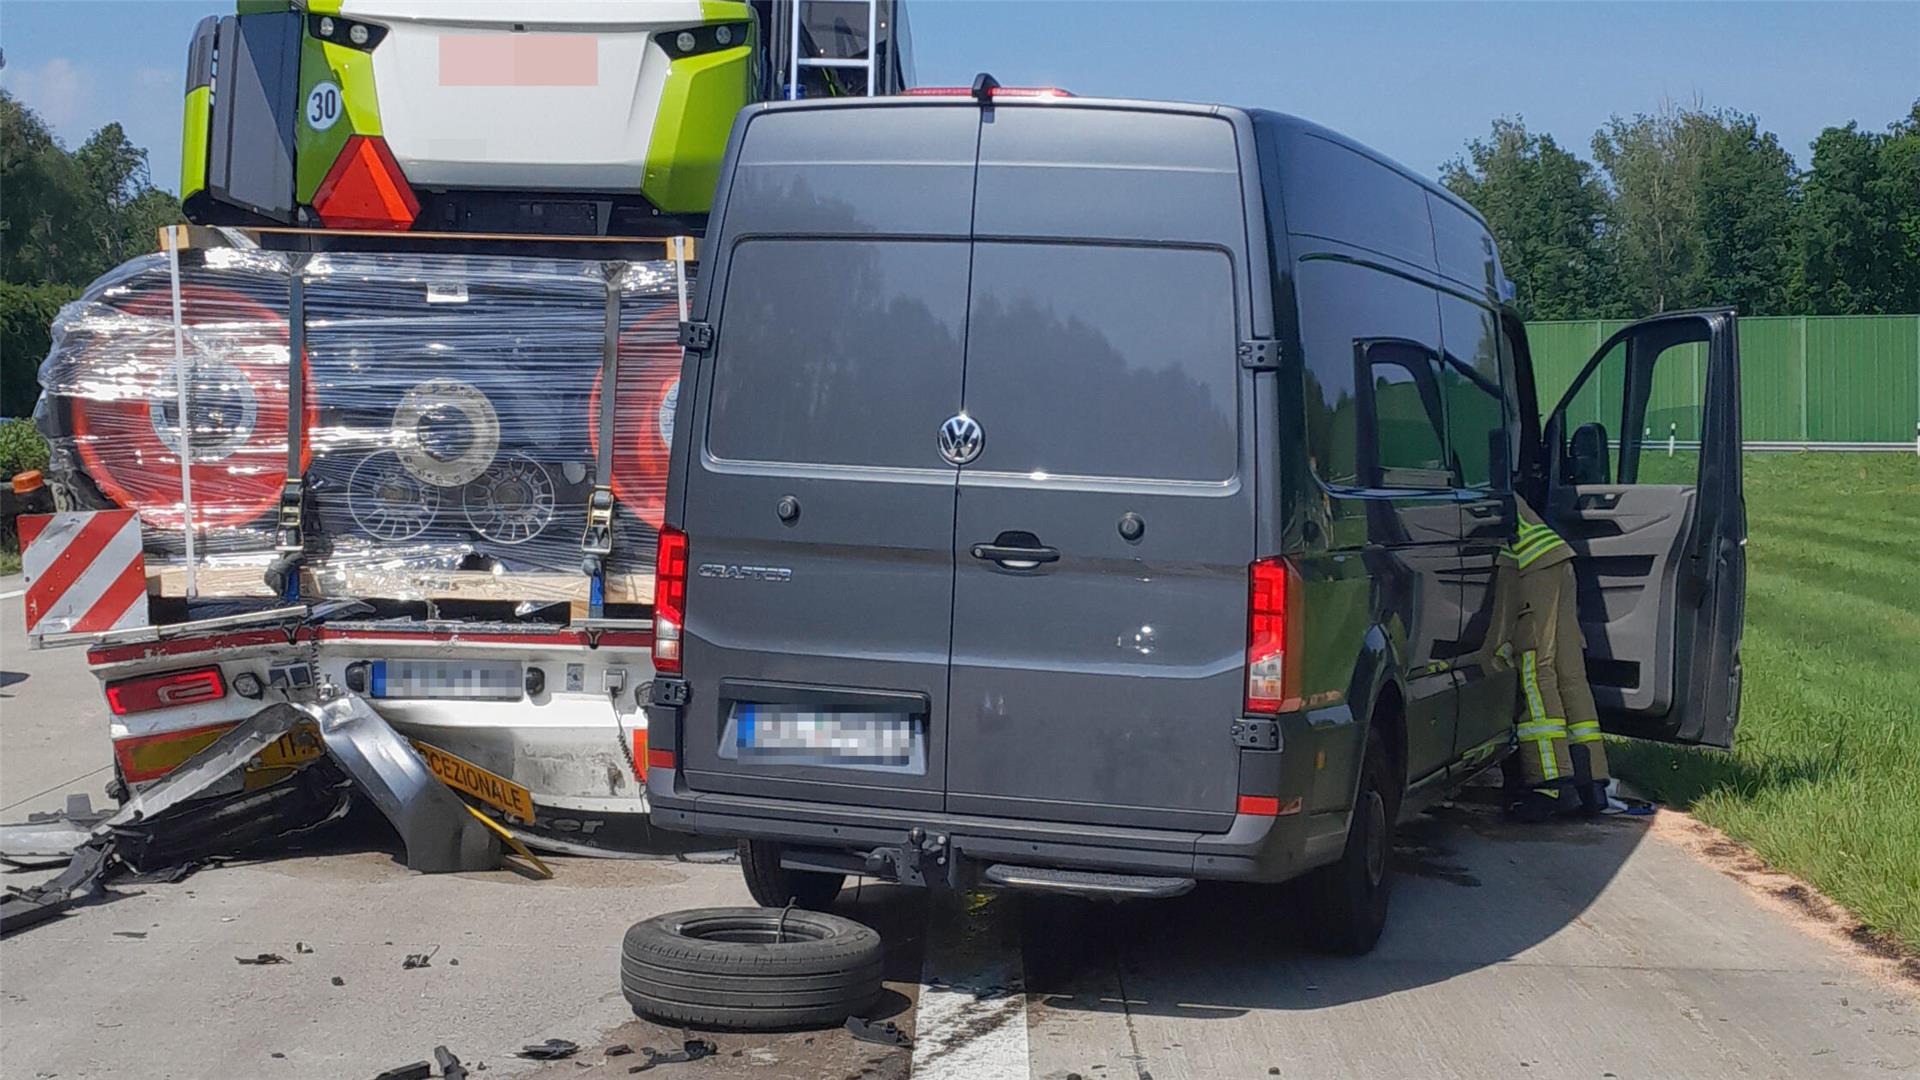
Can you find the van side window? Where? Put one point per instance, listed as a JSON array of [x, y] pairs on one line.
[[1637, 418], [1374, 412], [1477, 421]]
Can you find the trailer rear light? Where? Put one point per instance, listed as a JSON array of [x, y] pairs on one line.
[[660, 759], [669, 599], [145, 693], [365, 189], [1273, 628]]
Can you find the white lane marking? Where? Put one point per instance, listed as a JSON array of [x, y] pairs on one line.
[[971, 1022], [11, 595]]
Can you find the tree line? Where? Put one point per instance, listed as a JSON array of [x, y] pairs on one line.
[[1692, 206], [66, 217]]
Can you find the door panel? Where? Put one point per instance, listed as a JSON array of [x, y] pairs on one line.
[[835, 363], [1480, 421], [1645, 484], [1100, 686], [1376, 426]]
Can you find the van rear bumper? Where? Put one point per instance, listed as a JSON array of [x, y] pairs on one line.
[[1254, 848]]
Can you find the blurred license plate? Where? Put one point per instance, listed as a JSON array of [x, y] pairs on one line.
[[794, 736], [494, 680]]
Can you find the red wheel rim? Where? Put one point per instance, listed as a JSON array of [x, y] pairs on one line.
[[642, 413], [116, 427]]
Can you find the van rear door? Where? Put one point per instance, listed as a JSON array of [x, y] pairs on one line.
[[1105, 528], [818, 510], [1643, 457]]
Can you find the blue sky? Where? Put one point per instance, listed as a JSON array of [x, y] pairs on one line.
[[1413, 80]]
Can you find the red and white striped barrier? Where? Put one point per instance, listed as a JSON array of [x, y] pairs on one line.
[[85, 572]]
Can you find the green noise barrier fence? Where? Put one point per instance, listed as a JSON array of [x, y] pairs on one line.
[[1815, 381]]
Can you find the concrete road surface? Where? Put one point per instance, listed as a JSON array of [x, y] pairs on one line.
[[1588, 950]]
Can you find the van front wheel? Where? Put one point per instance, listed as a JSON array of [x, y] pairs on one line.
[[1346, 902], [772, 885]]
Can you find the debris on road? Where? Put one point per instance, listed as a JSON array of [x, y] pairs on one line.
[[551, 1050], [263, 959], [302, 947], [419, 1070], [172, 827], [450, 1067], [884, 1033], [691, 1050], [49, 837], [338, 981], [619, 1050], [416, 960]]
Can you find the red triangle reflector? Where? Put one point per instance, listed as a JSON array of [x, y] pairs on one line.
[[365, 189]]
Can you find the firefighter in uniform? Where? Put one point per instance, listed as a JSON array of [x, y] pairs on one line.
[[1563, 763]]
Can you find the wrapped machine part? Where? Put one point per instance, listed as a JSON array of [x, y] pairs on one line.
[[110, 401], [451, 407]]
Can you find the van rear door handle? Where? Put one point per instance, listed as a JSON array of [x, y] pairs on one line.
[[1019, 558]]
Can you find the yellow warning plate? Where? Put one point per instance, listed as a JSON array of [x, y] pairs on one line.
[[462, 775], [296, 747]]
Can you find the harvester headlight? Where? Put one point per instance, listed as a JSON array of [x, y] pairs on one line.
[[696, 40], [326, 26], [357, 35]]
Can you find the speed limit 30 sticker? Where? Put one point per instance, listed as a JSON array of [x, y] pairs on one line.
[[324, 106]]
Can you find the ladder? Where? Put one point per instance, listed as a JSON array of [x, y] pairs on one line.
[[797, 60]]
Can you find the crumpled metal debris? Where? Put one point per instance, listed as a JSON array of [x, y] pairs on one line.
[[551, 1050], [691, 1050], [884, 1032], [157, 829], [450, 1067], [419, 1070], [263, 959], [54, 835]]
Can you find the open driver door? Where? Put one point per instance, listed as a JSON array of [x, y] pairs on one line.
[[1640, 465]]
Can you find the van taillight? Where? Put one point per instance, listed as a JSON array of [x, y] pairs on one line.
[[148, 692], [1271, 685], [669, 599]]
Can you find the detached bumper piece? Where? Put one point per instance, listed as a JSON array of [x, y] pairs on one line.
[[1087, 883], [172, 825]]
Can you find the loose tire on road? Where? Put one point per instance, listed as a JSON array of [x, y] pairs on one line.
[[775, 886], [1346, 902], [750, 968]]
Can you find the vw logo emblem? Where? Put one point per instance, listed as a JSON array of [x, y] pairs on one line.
[[961, 439]]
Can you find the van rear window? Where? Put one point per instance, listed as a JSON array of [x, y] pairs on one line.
[[1104, 361], [838, 352]]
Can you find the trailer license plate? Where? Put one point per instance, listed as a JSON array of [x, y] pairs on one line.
[[470, 680], [777, 734]]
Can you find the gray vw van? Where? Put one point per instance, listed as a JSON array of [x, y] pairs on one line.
[[1097, 496]]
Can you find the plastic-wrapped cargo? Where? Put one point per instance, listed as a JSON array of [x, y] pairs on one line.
[[450, 407]]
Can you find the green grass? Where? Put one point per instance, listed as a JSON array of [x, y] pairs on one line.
[[1824, 781], [9, 558]]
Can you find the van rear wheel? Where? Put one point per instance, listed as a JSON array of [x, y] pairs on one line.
[[772, 885], [1346, 902]]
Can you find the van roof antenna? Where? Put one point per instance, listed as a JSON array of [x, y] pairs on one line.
[[983, 87]]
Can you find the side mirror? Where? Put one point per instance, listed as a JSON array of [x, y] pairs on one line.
[[1587, 455]]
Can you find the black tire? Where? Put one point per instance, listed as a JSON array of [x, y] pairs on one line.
[[750, 969], [774, 886], [1346, 902]]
